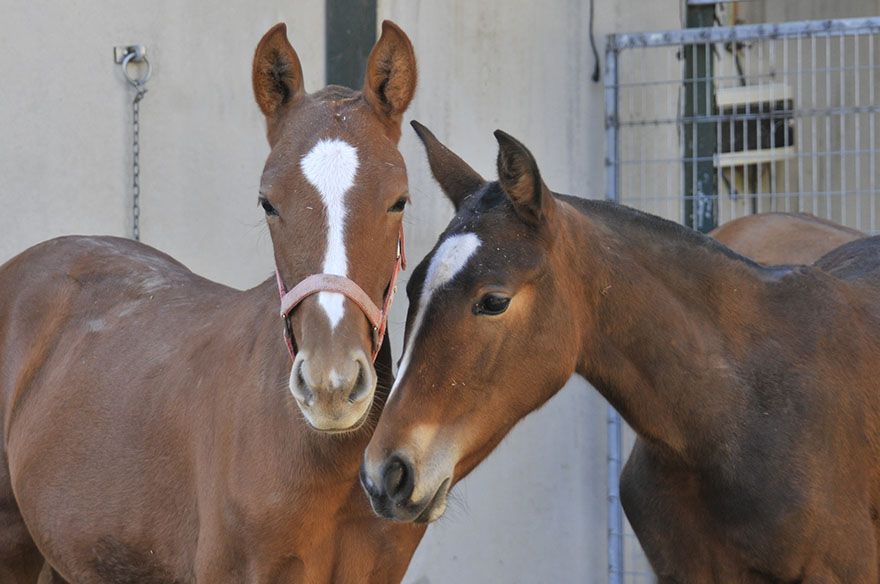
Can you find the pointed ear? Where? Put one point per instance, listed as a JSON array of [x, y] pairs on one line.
[[456, 177], [519, 177], [277, 73], [390, 81]]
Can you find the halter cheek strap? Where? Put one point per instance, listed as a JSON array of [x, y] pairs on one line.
[[378, 317]]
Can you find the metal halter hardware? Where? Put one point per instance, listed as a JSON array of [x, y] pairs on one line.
[[377, 317]]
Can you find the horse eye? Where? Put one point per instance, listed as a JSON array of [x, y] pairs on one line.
[[268, 208], [491, 304], [398, 206]]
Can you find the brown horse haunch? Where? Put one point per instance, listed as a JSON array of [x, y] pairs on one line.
[[754, 390], [154, 429]]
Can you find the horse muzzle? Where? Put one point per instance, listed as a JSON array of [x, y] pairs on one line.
[[336, 396], [391, 493]]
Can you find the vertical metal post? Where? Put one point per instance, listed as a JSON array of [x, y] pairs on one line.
[[615, 436], [612, 123], [615, 511], [700, 188], [350, 30]]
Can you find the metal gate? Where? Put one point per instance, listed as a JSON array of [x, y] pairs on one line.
[[708, 124]]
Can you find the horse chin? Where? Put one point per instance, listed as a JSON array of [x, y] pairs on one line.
[[333, 429], [436, 506]]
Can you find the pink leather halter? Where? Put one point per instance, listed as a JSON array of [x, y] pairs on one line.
[[315, 283]]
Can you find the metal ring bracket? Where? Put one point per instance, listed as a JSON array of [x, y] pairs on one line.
[[134, 56]]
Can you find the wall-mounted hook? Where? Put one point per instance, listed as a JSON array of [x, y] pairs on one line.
[[126, 54]]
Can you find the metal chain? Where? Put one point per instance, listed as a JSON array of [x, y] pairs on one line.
[[125, 56], [135, 163]]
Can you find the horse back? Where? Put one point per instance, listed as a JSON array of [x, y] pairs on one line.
[[96, 361], [856, 261]]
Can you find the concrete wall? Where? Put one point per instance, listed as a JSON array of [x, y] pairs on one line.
[[65, 115]]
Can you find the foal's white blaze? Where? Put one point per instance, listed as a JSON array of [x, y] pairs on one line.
[[452, 255], [330, 167]]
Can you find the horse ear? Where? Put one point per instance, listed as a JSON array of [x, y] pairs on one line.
[[455, 176], [277, 73], [390, 81], [520, 178]]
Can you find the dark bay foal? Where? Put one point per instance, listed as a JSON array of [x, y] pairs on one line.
[[755, 390], [155, 427]]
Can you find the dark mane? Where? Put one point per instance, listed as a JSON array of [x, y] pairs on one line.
[[623, 219], [628, 219]]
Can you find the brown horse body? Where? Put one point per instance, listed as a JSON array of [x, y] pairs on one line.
[[151, 437], [153, 427], [755, 389], [775, 239]]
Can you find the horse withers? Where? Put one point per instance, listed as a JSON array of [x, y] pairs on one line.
[[754, 389], [156, 426]]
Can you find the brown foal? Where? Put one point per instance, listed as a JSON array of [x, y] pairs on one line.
[[755, 390], [155, 429]]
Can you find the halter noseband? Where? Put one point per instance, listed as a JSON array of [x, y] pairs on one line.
[[315, 283]]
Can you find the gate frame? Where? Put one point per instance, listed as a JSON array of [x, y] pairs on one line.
[[616, 44]]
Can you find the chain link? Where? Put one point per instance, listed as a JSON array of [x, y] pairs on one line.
[[136, 163]]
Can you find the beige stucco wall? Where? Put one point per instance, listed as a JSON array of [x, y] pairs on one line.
[[65, 118]]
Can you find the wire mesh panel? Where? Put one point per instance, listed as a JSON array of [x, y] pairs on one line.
[[705, 125]]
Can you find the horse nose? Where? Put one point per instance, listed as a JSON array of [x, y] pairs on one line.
[[312, 381], [397, 479]]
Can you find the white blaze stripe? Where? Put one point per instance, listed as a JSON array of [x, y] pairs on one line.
[[330, 167], [452, 255]]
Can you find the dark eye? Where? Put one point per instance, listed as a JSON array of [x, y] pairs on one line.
[[398, 206], [492, 304], [268, 208]]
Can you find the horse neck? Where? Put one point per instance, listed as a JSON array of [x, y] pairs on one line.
[[661, 312], [266, 396]]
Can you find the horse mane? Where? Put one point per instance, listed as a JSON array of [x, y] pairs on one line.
[[632, 221]]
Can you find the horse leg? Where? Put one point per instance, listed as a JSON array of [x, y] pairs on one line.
[[659, 503], [50, 576], [20, 560]]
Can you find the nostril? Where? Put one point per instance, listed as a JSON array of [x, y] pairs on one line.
[[362, 385], [397, 479], [300, 388]]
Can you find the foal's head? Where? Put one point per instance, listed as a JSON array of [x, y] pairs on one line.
[[334, 189], [488, 333]]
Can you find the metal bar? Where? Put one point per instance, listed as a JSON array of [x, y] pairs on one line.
[[615, 439], [746, 32], [700, 188], [871, 137], [858, 136], [350, 31], [742, 117], [615, 511], [612, 122]]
